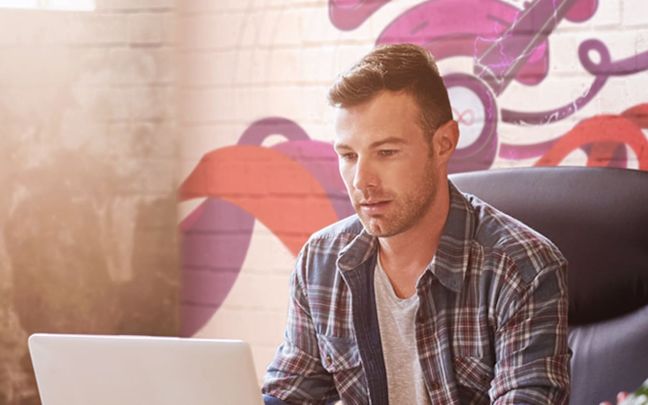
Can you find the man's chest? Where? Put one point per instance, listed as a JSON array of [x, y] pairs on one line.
[[454, 338]]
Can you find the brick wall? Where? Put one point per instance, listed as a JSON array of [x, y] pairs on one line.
[[103, 114], [88, 170], [243, 61]]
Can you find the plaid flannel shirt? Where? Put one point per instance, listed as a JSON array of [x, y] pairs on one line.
[[491, 326]]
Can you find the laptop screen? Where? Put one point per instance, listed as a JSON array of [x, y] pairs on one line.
[[136, 370]]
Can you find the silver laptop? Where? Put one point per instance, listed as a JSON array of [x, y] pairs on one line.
[[140, 370]]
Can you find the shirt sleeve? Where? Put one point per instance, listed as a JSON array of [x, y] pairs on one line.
[[296, 374], [532, 354]]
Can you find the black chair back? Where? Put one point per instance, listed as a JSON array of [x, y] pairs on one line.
[[598, 217]]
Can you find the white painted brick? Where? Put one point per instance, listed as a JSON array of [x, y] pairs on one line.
[[210, 31], [253, 103], [79, 132], [150, 103], [280, 27], [316, 26], [321, 130], [246, 325], [202, 6], [123, 65], [127, 66], [146, 28], [99, 68], [641, 41], [621, 44], [97, 29], [563, 53], [20, 66], [208, 67], [170, 28], [204, 105], [314, 102], [15, 30], [284, 65], [285, 101], [289, 30], [274, 287], [104, 104], [635, 13], [618, 96], [146, 177], [134, 5], [251, 66], [346, 56], [271, 256], [152, 140], [249, 30], [166, 63], [317, 64], [198, 140]]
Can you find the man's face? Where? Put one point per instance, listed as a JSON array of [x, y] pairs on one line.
[[385, 162]]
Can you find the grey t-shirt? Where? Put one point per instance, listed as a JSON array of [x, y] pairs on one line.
[[396, 317]]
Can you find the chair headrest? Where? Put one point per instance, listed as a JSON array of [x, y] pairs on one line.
[[598, 217]]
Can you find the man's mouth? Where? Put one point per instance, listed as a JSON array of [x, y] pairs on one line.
[[374, 207]]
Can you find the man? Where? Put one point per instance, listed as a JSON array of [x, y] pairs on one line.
[[426, 296]]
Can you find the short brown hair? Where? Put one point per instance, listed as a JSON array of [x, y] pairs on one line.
[[399, 67]]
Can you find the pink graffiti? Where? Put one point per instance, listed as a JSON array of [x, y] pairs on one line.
[[463, 28], [604, 136], [465, 117], [349, 14], [293, 188]]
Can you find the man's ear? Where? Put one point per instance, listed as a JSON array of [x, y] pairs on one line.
[[445, 140]]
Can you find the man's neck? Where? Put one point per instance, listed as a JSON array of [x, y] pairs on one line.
[[409, 252]]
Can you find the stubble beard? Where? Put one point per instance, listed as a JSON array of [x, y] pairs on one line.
[[405, 210]]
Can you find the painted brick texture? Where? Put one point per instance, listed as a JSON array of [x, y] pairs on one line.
[[88, 169], [242, 61]]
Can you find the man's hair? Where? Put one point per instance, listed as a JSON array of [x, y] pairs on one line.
[[400, 67]]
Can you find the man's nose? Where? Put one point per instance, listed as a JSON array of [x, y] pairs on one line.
[[364, 177]]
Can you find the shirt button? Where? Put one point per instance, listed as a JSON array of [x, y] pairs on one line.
[[328, 360], [434, 386]]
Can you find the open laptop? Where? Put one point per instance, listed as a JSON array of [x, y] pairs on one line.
[[140, 370]]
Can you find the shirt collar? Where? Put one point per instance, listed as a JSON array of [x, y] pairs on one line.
[[450, 261]]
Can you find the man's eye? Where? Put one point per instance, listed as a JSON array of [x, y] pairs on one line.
[[387, 152], [348, 156]]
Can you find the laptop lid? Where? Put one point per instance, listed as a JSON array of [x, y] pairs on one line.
[[138, 370]]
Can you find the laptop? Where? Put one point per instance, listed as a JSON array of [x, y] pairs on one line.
[[140, 370]]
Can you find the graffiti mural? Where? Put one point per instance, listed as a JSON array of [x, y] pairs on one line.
[[293, 187]]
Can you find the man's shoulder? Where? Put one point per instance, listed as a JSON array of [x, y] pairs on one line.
[[500, 234], [317, 262], [339, 232]]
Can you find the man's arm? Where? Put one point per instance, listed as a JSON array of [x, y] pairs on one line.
[[532, 354], [296, 374]]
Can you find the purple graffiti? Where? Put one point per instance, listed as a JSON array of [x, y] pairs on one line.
[[499, 63], [215, 240], [217, 234], [320, 160], [256, 133], [349, 14], [463, 28], [602, 71], [506, 44]]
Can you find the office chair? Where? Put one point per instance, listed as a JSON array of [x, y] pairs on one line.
[[598, 217]]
